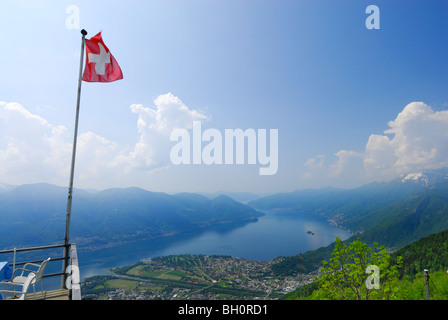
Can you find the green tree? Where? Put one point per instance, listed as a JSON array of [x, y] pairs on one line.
[[345, 277]]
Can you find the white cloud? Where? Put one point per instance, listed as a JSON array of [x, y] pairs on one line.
[[95, 155], [169, 113], [347, 161], [34, 150], [31, 147], [416, 139], [313, 165], [155, 126]]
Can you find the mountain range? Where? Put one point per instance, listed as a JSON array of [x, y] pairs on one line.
[[392, 213], [34, 214]]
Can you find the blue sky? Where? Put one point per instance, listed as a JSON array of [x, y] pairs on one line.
[[310, 69]]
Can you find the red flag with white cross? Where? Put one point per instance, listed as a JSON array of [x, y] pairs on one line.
[[101, 66]]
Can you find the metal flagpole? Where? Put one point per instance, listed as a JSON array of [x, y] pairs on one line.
[[72, 171]]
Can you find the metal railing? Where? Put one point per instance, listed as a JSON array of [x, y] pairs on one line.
[[73, 285]]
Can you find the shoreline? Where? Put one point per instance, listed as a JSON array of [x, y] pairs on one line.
[[90, 248]]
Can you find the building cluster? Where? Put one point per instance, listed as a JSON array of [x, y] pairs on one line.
[[239, 279]]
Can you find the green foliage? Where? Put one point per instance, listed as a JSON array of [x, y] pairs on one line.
[[430, 253], [97, 284], [288, 266], [183, 261], [302, 292], [427, 253], [302, 263], [404, 289], [415, 289], [345, 277]]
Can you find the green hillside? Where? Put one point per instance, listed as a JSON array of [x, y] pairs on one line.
[[429, 253]]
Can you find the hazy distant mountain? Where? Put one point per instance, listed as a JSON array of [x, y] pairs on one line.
[[6, 187], [329, 199], [392, 213], [426, 177], [35, 214], [243, 197]]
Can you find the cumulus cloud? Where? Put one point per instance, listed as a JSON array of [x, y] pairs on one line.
[[348, 160], [155, 126], [416, 139], [34, 150], [31, 147], [95, 157], [169, 113], [313, 165]]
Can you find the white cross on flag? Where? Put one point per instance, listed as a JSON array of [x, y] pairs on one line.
[[101, 66]]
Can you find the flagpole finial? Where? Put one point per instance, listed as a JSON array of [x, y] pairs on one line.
[[84, 32]]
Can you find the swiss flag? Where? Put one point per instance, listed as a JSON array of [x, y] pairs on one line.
[[101, 66]]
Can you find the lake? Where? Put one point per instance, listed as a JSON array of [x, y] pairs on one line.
[[274, 234]]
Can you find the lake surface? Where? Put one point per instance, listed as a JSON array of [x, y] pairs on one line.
[[274, 234]]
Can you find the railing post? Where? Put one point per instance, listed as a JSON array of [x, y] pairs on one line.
[[426, 273], [65, 265]]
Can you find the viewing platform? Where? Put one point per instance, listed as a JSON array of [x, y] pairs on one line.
[[69, 287]]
